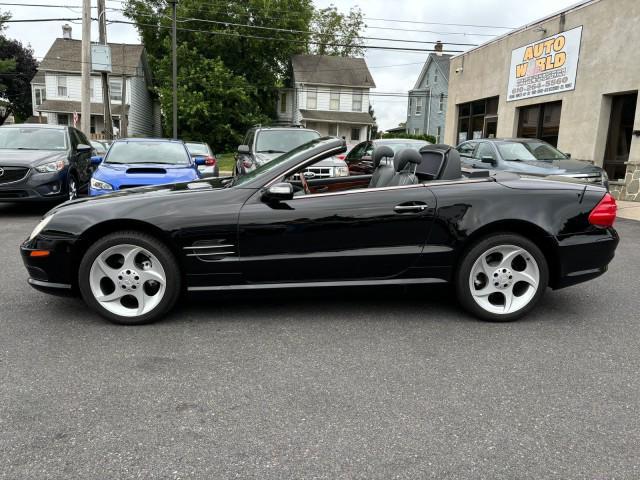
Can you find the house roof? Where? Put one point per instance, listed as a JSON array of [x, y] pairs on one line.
[[38, 78], [359, 118], [442, 63], [65, 54], [70, 106], [332, 70]]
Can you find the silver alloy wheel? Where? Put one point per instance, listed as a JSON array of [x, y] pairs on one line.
[[73, 189], [127, 280], [504, 279]]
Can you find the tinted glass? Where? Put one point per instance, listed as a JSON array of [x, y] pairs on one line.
[[33, 138], [282, 141], [484, 150], [544, 151], [197, 148], [148, 152], [515, 151]]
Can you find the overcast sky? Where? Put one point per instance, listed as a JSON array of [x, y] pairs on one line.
[[392, 71]]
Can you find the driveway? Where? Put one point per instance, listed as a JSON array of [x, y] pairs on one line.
[[370, 383]]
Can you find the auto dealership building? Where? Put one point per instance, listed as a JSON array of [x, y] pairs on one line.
[[571, 79]]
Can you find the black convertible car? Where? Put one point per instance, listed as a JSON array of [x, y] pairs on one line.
[[499, 239]]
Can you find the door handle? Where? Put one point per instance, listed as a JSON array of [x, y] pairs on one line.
[[410, 208]]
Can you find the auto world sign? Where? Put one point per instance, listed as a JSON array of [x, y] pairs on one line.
[[546, 66]]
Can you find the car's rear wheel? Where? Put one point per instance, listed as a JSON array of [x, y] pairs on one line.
[[130, 278], [502, 277]]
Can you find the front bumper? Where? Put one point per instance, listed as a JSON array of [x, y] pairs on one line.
[[35, 187], [55, 273]]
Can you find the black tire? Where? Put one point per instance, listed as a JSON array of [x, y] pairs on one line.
[[154, 246], [475, 251], [72, 186]]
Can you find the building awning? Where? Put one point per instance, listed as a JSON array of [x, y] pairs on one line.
[[70, 106], [355, 118]]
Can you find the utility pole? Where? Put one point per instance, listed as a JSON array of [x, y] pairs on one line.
[[123, 113], [85, 58], [106, 97], [175, 71]]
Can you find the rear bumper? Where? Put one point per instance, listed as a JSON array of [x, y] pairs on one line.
[[584, 257]]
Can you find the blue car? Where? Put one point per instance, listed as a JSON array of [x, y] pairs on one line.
[[138, 162]]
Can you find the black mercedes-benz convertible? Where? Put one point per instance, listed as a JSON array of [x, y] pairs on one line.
[[499, 239]]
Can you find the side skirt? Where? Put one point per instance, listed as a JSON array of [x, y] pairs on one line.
[[342, 283]]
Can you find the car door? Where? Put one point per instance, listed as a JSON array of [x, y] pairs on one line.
[[84, 158], [351, 235]]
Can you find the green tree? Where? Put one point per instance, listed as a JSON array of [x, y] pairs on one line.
[[336, 33], [17, 68]]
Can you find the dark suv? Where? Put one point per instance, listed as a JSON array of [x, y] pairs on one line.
[[528, 156], [43, 162]]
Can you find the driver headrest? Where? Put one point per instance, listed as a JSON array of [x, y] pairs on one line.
[[379, 153], [405, 157]]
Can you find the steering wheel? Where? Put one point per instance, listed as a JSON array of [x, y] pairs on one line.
[[305, 185]]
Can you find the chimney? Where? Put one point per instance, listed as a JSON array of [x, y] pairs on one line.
[[438, 47], [66, 31]]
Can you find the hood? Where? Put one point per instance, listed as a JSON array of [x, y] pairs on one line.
[[29, 158], [553, 167], [144, 174]]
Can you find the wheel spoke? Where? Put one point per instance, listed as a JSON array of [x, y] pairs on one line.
[[130, 256], [508, 299], [142, 300], [109, 272], [117, 294], [525, 277], [507, 257], [147, 275]]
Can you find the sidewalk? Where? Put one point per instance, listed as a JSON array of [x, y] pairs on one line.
[[629, 210]]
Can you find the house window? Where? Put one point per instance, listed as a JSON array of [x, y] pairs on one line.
[[410, 107], [355, 134], [333, 129], [63, 119], [312, 98], [92, 88], [334, 101], [115, 89], [418, 110], [92, 124], [283, 102], [441, 103], [62, 86], [435, 76], [438, 134], [356, 103], [40, 95]]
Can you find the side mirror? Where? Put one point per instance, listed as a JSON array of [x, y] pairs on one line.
[[278, 192], [244, 149], [96, 160], [200, 160], [568, 155], [488, 159], [82, 147]]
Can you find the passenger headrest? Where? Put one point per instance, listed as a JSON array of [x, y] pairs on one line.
[[379, 153], [452, 168], [405, 157]]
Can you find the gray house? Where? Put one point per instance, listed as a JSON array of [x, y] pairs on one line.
[[428, 99], [56, 93]]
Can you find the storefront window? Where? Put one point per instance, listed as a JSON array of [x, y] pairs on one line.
[[540, 121], [478, 119]]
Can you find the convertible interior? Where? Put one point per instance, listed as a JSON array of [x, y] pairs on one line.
[[406, 167]]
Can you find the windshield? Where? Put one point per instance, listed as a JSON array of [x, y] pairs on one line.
[[281, 141], [528, 151], [396, 147], [170, 153], [32, 139], [197, 148], [98, 146]]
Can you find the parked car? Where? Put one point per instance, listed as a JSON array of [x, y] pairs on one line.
[[359, 158], [263, 144], [202, 149], [99, 147], [43, 162], [528, 156], [138, 162], [500, 240]]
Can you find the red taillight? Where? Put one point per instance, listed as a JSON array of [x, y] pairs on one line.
[[605, 212], [341, 157], [210, 161]]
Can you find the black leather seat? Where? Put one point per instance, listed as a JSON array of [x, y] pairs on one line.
[[405, 163], [439, 162], [384, 171]]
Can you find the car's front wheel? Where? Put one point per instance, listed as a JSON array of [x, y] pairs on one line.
[[72, 187], [502, 277], [130, 278]]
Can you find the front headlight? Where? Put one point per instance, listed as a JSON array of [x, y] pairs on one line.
[[43, 223], [342, 171], [49, 167], [100, 185]]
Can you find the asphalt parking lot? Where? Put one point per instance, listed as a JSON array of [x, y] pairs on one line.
[[372, 383]]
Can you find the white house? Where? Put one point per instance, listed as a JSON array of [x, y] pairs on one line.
[[329, 94], [56, 93]]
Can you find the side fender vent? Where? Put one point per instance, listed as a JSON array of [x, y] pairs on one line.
[[211, 250]]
